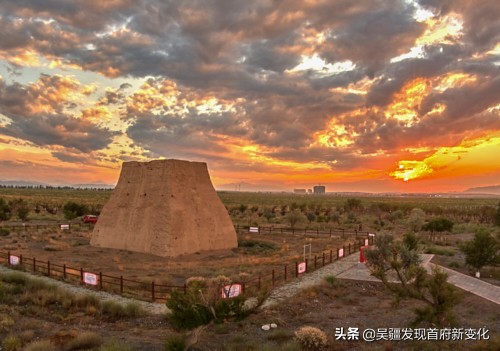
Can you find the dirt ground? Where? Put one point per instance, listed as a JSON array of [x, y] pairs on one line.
[[72, 248], [345, 303]]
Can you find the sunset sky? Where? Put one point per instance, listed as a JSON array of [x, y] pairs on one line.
[[359, 95]]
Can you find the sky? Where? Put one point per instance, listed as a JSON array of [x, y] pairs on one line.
[[366, 95]]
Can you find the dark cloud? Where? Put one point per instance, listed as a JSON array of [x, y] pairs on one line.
[[241, 53], [36, 114]]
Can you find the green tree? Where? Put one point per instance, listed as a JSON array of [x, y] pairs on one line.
[[497, 215], [22, 210], [416, 219], [72, 210], [400, 259], [482, 250], [295, 217], [5, 212], [268, 214], [438, 224], [311, 217], [353, 204]]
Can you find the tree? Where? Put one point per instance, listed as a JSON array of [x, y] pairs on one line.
[[268, 214], [439, 224], [497, 215], [22, 210], [4, 210], [295, 217], [416, 219], [402, 260], [482, 250], [72, 210], [311, 217], [353, 204]]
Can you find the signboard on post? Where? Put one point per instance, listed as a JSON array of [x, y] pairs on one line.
[[14, 260], [253, 229], [64, 226], [341, 252], [301, 267], [230, 291], [90, 278]]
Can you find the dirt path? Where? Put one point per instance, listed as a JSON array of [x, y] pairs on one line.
[[149, 307], [310, 279]]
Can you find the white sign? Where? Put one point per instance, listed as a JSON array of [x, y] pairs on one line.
[[371, 234], [230, 291], [341, 252], [301, 268], [367, 242], [90, 278], [14, 260], [64, 226], [253, 229]]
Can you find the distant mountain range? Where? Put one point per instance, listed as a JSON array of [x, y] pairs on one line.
[[28, 183], [493, 189]]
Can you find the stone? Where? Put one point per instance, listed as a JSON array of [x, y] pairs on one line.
[[166, 208]]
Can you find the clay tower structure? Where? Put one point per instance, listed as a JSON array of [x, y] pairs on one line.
[[165, 208]]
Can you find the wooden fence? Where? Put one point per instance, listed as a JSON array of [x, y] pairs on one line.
[[152, 291]]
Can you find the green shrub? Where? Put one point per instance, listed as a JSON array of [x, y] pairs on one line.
[[113, 310], [85, 341], [11, 343], [201, 303], [40, 345], [115, 346], [454, 264], [4, 231], [133, 309], [175, 342], [439, 251], [257, 246]]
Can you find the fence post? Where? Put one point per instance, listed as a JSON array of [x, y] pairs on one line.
[[121, 284], [307, 265], [21, 259], [81, 274], [64, 271], [48, 268], [242, 287], [185, 288], [296, 269], [285, 272], [323, 259], [344, 251], [34, 264], [273, 277], [259, 282], [331, 254], [349, 248], [293, 230], [338, 253], [100, 280], [315, 261], [330, 233], [8, 258], [153, 290]]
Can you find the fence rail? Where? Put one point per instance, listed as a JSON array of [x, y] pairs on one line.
[[330, 232], [152, 291]]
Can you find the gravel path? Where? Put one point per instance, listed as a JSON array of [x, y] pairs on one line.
[[310, 279], [149, 307]]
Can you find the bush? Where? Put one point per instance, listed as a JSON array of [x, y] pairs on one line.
[[85, 341], [311, 338], [40, 345], [115, 346], [257, 246], [201, 303], [175, 342], [4, 232], [72, 210], [5, 212], [439, 251], [11, 343], [439, 224]]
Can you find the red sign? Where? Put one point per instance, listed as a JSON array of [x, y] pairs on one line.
[[90, 278], [230, 291]]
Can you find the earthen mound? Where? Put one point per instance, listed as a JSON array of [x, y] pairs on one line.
[[166, 208]]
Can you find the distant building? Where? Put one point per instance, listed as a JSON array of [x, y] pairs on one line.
[[319, 189], [299, 191]]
